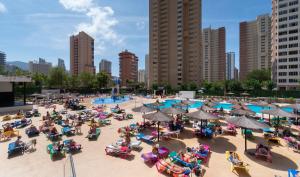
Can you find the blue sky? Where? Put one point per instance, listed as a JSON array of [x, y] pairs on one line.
[[41, 28]]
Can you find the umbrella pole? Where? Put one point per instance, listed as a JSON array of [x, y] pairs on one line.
[[269, 119], [158, 131], [201, 128], [245, 139]]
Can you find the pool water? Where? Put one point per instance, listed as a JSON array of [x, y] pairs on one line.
[[110, 100], [225, 106], [170, 103]]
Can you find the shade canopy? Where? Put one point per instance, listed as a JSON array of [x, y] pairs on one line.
[[246, 122], [207, 108], [230, 93], [201, 115], [278, 112], [158, 117], [143, 109], [245, 94], [172, 110], [294, 106], [242, 112]]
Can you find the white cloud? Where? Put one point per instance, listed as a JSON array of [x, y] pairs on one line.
[[101, 24], [77, 5], [2, 8]]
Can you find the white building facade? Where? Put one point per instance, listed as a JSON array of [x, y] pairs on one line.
[[285, 44], [141, 76]]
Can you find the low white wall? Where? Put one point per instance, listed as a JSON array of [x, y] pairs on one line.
[[187, 94], [15, 109]]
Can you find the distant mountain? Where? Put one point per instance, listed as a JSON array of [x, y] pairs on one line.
[[19, 64]]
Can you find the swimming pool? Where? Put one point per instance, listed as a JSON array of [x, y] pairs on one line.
[[170, 103], [225, 106], [111, 100], [254, 108]]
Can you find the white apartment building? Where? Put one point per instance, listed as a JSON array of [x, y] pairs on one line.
[[141, 76], [40, 66], [285, 44], [230, 65]]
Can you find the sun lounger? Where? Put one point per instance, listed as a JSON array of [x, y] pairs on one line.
[[203, 155], [175, 157], [13, 148], [293, 173], [55, 152], [69, 131], [133, 145], [120, 151], [172, 169], [267, 155], [146, 138], [94, 136], [151, 157], [234, 166]]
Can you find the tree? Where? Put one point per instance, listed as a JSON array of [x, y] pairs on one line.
[[73, 82], [154, 86], [207, 85], [270, 85], [193, 86], [87, 81], [39, 79], [57, 78], [252, 84], [234, 86], [102, 80], [260, 75]]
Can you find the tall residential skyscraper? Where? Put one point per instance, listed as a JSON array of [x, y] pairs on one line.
[[147, 71], [40, 66], [141, 76], [255, 45], [230, 65], [214, 55], [61, 64], [105, 66], [128, 67], [81, 54], [285, 44], [236, 74], [175, 42], [2, 59]]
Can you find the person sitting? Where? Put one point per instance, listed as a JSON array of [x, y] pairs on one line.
[[234, 158], [264, 150], [48, 116], [218, 129], [155, 149], [67, 122], [58, 146], [19, 142], [8, 128], [32, 128], [53, 131], [19, 113], [92, 129], [202, 149], [23, 120]]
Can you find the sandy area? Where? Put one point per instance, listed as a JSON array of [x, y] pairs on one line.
[[93, 162]]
